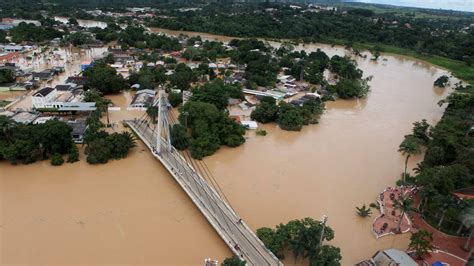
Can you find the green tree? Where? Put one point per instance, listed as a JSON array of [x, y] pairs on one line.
[[175, 98], [214, 92], [79, 38], [30, 32], [421, 242], [98, 151], [302, 237], [209, 128], [54, 136], [411, 145], [404, 205], [73, 154], [270, 240], [345, 67], [73, 21], [179, 137], [182, 77], [57, 159], [352, 88], [233, 261], [289, 117], [3, 36], [121, 143], [441, 81], [104, 78], [101, 103], [420, 131], [6, 76], [204, 145], [327, 256], [265, 112], [152, 112], [364, 211]]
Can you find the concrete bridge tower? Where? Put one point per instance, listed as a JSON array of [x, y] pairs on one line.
[[163, 126]]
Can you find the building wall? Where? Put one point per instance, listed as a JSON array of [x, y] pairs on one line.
[[39, 102]]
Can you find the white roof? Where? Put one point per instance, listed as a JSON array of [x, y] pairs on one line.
[[42, 120], [147, 91], [250, 124], [400, 257]]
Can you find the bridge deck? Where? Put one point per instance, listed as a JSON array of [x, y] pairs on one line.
[[237, 235]]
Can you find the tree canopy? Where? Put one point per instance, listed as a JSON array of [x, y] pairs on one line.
[[6, 76], [30, 32], [29, 143], [302, 238], [104, 78]]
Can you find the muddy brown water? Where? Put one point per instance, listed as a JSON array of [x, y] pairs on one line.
[[131, 211]]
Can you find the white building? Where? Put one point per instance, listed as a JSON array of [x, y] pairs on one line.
[[43, 97], [54, 100], [143, 98]]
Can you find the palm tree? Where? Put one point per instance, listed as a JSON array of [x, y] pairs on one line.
[[403, 204], [467, 219], [411, 145], [364, 211]]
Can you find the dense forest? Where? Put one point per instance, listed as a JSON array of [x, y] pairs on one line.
[[450, 37]]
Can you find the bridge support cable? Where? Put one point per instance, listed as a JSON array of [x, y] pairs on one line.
[[209, 197], [205, 172], [238, 236], [163, 126], [197, 168], [203, 168]]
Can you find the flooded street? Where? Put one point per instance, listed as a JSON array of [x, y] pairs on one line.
[[132, 212], [68, 57]]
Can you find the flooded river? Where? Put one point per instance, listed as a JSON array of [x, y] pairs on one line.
[[132, 212]]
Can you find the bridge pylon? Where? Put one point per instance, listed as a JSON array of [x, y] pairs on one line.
[[163, 127]]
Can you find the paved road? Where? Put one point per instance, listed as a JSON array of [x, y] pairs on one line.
[[235, 233]]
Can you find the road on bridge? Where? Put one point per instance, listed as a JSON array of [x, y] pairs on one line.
[[235, 233]]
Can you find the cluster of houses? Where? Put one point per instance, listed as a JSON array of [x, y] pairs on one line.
[[10, 23], [47, 102], [78, 125], [131, 12], [62, 98]]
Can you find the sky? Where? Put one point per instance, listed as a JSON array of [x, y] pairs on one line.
[[461, 5]]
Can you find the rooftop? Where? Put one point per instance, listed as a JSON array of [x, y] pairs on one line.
[[43, 92]]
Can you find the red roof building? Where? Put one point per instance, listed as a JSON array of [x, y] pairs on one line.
[[10, 57]]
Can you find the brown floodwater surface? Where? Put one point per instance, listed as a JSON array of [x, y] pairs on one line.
[[131, 211]]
